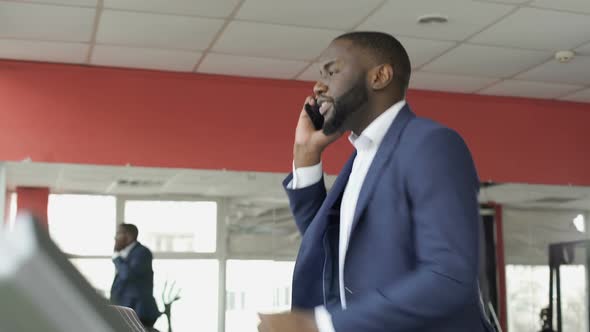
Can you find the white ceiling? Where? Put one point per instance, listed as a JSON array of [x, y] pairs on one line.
[[502, 47], [529, 232]]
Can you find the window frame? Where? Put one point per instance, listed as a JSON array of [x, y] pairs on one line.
[[221, 253]]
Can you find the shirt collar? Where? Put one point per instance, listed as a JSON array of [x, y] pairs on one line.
[[374, 133], [125, 251]]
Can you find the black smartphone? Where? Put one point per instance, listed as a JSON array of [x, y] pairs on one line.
[[314, 114]]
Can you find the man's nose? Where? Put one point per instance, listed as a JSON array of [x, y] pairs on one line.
[[320, 89]]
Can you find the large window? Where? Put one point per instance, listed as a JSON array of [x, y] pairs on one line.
[[198, 282], [174, 226], [528, 292], [574, 298], [98, 271], [83, 224], [183, 238], [255, 286]]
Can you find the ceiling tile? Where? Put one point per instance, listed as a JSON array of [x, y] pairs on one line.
[[206, 8], [529, 89], [117, 56], [250, 66], [539, 29], [466, 17], [150, 173], [71, 173], [583, 204], [78, 3], [45, 22], [154, 30], [43, 51], [266, 40], [450, 83], [516, 2], [422, 51], [580, 96], [332, 14], [513, 193], [199, 177], [486, 61], [30, 181], [31, 174], [574, 72], [312, 73], [110, 174], [85, 187], [584, 50], [578, 6]]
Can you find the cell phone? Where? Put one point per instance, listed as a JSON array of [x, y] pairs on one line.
[[313, 111]]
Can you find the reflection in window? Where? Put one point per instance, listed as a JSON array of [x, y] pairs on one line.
[[528, 292], [82, 224], [174, 226], [255, 286], [198, 282]]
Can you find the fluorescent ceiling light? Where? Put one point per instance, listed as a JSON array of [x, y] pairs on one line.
[[580, 223]]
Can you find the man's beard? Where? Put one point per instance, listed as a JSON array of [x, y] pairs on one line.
[[350, 102]]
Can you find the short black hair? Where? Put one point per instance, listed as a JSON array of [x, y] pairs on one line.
[[385, 49], [131, 230]]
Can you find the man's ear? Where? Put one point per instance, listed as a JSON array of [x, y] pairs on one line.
[[381, 76]]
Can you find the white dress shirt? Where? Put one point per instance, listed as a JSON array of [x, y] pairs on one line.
[[125, 251], [366, 146]]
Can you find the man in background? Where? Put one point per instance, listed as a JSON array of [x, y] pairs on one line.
[[134, 279]]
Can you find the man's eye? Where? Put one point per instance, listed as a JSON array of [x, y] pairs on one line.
[[330, 73]]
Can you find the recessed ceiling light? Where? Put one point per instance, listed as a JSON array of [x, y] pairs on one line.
[[564, 56], [432, 18]]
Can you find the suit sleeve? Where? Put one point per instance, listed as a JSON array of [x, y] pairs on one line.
[[135, 266], [305, 202], [442, 188]]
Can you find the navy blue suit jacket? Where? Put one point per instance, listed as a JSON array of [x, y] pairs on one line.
[[412, 258], [134, 283]]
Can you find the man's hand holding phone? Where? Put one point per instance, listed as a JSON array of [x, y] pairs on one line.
[[309, 141], [294, 321]]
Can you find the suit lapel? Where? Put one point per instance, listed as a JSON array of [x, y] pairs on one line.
[[386, 149], [340, 183], [137, 245], [320, 223], [307, 276]]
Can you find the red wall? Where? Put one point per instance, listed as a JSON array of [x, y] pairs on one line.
[[33, 201], [75, 114]]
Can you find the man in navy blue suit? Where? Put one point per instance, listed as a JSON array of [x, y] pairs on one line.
[[134, 279], [393, 246]]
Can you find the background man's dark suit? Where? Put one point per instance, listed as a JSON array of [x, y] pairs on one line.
[[134, 283]]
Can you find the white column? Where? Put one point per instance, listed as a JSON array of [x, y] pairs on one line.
[[222, 244], [3, 207], [120, 207]]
